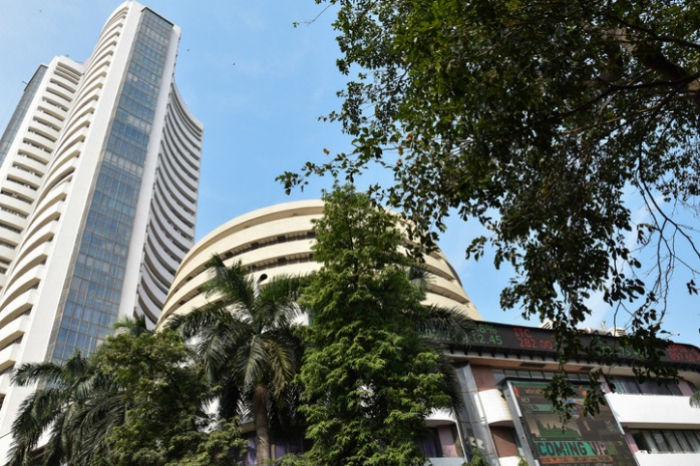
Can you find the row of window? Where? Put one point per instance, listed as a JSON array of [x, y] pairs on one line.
[[68, 341], [104, 246], [667, 441], [619, 384], [439, 442], [500, 374], [630, 385]]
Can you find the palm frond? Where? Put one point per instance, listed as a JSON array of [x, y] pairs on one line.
[[93, 424], [695, 399], [443, 324], [56, 450], [252, 362], [232, 283], [230, 398], [281, 364], [45, 372], [135, 326], [36, 413], [190, 324]]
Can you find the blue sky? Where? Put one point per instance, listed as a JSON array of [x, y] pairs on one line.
[[259, 85]]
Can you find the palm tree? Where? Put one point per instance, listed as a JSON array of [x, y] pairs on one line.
[[695, 399], [78, 402], [244, 337]]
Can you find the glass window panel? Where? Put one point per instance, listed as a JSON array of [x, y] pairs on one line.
[[430, 444], [631, 386], [280, 450], [651, 387], [107, 233], [673, 444], [498, 375], [692, 440], [660, 442], [682, 441], [649, 441], [640, 440]]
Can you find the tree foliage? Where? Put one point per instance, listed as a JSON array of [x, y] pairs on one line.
[[245, 338], [76, 407], [370, 377], [695, 399], [536, 119], [477, 458], [138, 400]]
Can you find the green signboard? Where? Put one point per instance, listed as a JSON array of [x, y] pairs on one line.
[[583, 441]]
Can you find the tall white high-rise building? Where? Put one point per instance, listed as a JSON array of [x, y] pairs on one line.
[[98, 195]]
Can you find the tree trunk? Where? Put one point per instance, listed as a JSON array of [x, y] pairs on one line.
[[262, 428]]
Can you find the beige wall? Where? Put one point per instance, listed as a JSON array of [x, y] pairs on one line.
[[277, 240]]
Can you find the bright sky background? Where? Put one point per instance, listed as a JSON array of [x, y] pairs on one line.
[[259, 85]]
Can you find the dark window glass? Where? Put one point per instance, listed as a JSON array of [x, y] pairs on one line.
[[96, 285], [430, 444], [667, 441], [660, 442]]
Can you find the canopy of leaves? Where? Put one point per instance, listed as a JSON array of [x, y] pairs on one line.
[[139, 400], [535, 119], [245, 338], [370, 379]]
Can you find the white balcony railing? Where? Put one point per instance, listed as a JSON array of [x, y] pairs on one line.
[[659, 411], [668, 459]]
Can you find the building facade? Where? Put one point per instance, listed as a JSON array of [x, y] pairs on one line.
[[277, 241], [502, 369], [98, 193]]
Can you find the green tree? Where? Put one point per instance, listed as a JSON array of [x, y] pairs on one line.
[[477, 458], [370, 375], [75, 404], [138, 400], [536, 119], [166, 395], [245, 339]]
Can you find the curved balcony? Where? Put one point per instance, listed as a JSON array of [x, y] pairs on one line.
[[495, 408], [12, 219], [657, 411], [667, 459], [12, 294], [13, 330], [6, 253], [5, 382], [18, 306], [441, 417], [10, 355]]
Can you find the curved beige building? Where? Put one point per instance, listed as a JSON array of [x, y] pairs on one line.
[[277, 240]]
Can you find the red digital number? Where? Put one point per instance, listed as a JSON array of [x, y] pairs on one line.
[[546, 344], [527, 343]]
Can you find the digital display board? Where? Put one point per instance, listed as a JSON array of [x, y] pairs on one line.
[[582, 441], [493, 336]]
